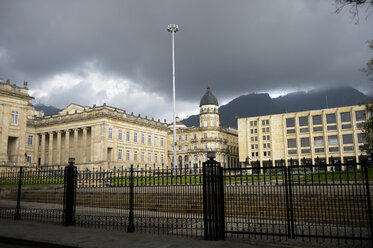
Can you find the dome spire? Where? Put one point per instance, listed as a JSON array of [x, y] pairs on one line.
[[208, 98]]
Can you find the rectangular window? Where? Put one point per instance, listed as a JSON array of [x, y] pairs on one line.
[[156, 141], [110, 132], [317, 129], [292, 152], [161, 141], [345, 117], [212, 123], [156, 158], [135, 137], [319, 149], [149, 140], [128, 136], [347, 139], [14, 117], [290, 131], [263, 122], [264, 145], [212, 146], [292, 143], [330, 118], [195, 147], [186, 137], [195, 136], [252, 139], [251, 123], [205, 135], [186, 148], [255, 130], [346, 126], [40, 140], [348, 148], [304, 130], [128, 155], [265, 153], [360, 138], [253, 154], [256, 138], [120, 154], [290, 122], [318, 141], [360, 115], [333, 149], [120, 134], [303, 121], [179, 137], [256, 146], [305, 142], [162, 159], [332, 127], [306, 151], [333, 140], [264, 137], [142, 139], [269, 145], [142, 156], [316, 120], [135, 156], [179, 148], [254, 123], [29, 140], [149, 157], [267, 123]]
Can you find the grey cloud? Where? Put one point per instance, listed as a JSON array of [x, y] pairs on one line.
[[233, 46]]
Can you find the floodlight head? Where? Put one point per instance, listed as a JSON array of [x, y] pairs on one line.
[[172, 28]]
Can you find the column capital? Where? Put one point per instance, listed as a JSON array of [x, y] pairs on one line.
[[76, 129], [51, 132], [58, 131], [67, 130], [84, 128]]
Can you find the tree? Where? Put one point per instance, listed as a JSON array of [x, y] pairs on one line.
[[354, 6]]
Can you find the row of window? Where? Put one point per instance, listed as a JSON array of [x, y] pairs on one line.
[[265, 154], [212, 123], [206, 146], [265, 146], [135, 156], [332, 140], [264, 130], [321, 150], [135, 137], [14, 117], [330, 119], [254, 123]]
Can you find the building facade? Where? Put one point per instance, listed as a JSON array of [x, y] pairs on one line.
[[193, 143], [327, 135], [100, 136]]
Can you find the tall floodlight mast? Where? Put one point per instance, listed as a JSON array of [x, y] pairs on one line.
[[173, 28]]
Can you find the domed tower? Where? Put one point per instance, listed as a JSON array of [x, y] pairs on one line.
[[208, 111]]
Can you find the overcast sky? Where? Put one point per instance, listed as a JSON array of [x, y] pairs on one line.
[[119, 52]]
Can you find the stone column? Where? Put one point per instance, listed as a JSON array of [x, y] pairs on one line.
[[50, 149], [92, 144], [67, 145], [85, 145], [76, 144], [58, 159], [42, 149], [35, 144]]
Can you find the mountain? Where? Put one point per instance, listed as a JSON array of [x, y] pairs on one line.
[[262, 104], [48, 110]]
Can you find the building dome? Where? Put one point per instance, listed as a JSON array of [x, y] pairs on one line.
[[208, 99]]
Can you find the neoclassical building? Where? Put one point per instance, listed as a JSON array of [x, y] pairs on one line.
[[193, 143], [102, 136]]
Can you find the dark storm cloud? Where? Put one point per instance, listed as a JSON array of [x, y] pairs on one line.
[[234, 46]]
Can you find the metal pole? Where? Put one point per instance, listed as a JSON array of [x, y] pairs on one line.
[[173, 28], [17, 215]]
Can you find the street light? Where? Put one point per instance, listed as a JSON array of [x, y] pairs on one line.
[[173, 28]]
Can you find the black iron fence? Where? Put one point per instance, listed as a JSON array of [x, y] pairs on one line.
[[313, 202]]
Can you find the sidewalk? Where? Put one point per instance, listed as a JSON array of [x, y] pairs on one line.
[[50, 235]]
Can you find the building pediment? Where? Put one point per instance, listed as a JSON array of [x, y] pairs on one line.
[[72, 109]]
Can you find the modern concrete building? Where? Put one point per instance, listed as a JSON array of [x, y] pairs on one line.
[[302, 137]]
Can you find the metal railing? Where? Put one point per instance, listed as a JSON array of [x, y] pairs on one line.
[[313, 202]]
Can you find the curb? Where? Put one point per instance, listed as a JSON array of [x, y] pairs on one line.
[[32, 243]]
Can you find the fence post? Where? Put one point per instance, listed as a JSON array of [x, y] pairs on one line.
[[365, 165], [213, 200], [17, 215], [131, 226], [70, 179], [291, 223]]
